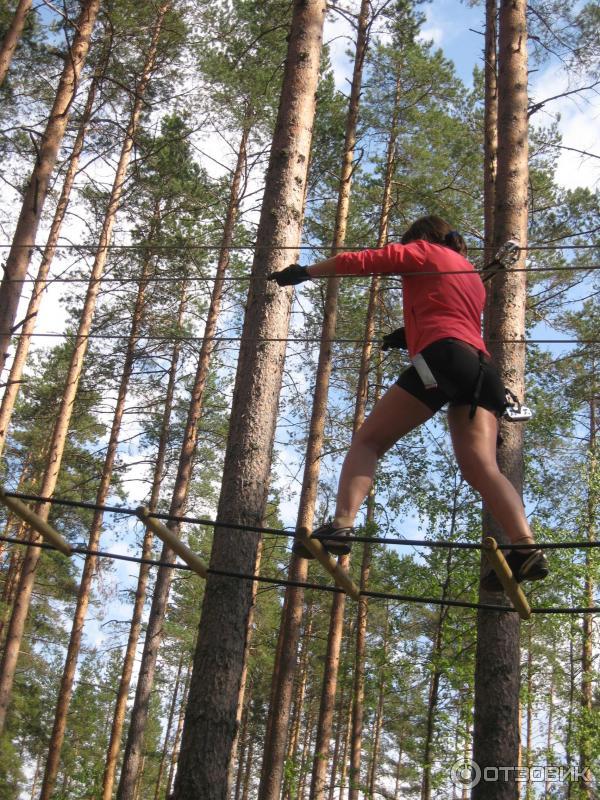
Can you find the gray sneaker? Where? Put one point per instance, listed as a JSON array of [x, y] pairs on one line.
[[334, 540]]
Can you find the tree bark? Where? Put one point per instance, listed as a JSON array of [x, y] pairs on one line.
[[529, 720], [12, 37], [490, 140], [587, 622], [244, 740], [17, 263], [25, 332], [279, 712], [436, 653], [61, 427], [116, 732], [496, 732], [175, 750], [359, 415], [139, 714], [339, 729], [170, 718], [294, 737], [210, 724], [379, 714]]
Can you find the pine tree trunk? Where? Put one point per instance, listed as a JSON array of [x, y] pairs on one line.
[[61, 428], [490, 138], [274, 752], [242, 692], [569, 744], [139, 714], [36, 775], [335, 760], [12, 37], [379, 714], [328, 694], [347, 746], [12, 578], [586, 749], [210, 725], [17, 263], [399, 764], [496, 733], [91, 562], [490, 142], [303, 772], [529, 720], [294, 737], [436, 653], [359, 415], [170, 718], [114, 745], [177, 740], [550, 732], [248, 772], [25, 332], [244, 741]]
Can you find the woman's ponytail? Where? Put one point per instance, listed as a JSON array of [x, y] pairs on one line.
[[436, 230], [455, 241]]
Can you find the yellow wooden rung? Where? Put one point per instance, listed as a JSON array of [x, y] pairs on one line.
[[339, 575], [174, 542], [36, 522], [507, 579]]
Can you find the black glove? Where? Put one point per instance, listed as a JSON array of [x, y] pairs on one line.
[[396, 338], [290, 276]]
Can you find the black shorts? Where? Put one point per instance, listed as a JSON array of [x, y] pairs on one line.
[[455, 366]]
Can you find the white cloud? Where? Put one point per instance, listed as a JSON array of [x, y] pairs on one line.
[[578, 125], [432, 33]]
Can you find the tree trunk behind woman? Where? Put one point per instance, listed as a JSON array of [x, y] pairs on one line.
[[17, 263], [359, 415], [274, 752], [490, 133], [210, 724], [496, 733]]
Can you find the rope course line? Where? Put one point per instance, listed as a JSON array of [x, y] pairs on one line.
[[325, 247], [83, 551], [307, 340], [446, 544], [243, 278]]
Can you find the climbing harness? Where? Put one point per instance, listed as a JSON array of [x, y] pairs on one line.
[[478, 385], [423, 371], [515, 410]]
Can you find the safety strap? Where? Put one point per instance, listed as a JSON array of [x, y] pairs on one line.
[[423, 371], [477, 389]]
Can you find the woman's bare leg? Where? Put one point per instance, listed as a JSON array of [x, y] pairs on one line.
[[393, 416], [474, 442]]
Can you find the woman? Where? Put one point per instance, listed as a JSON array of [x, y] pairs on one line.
[[443, 299]]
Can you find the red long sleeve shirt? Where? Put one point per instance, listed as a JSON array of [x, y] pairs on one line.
[[436, 306]]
